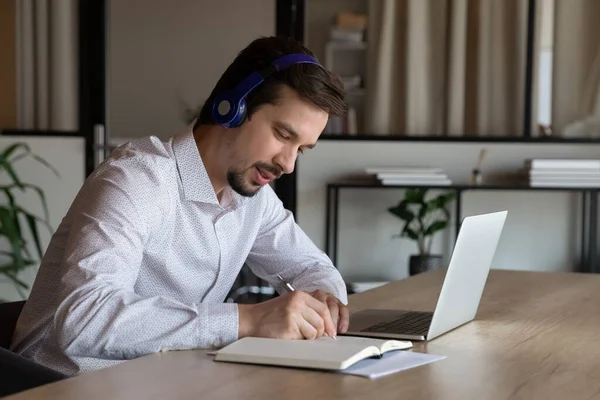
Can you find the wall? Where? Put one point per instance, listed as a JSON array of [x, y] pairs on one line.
[[167, 57], [67, 156], [542, 231], [8, 60]]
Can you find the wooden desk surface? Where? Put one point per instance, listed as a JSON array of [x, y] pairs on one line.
[[536, 336]]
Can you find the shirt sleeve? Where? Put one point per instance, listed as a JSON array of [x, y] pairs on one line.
[[282, 247], [100, 315]]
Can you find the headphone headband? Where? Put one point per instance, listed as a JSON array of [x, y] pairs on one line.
[[229, 108]]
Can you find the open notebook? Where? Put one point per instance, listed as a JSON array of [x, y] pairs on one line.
[[323, 353]]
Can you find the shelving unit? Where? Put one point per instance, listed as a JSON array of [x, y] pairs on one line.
[[589, 213], [348, 60], [331, 46]]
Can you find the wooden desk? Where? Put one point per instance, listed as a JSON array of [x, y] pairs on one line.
[[536, 336]]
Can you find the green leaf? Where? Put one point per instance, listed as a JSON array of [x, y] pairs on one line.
[[38, 219], [431, 205], [46, 164], [415, 195], [8, 268], [10, 229], [11, 209], [438, 202], [436, 226], [411, 234], [15, 268], [17, 281], [42, 197], [36, 158], [446, 213], [9, 195], [423, 212], [34, 232], [403, 213], [32, 221], [11, 172], [403, 204], [11, 149]]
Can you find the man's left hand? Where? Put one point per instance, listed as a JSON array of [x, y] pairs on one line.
[[337, 309]]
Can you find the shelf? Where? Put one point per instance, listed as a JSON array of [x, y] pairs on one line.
[[588, 209], [462, 187]]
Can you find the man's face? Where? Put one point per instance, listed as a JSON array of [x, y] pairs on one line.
[[266, 146]]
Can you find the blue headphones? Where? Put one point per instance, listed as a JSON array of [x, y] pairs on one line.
[[229, 108]]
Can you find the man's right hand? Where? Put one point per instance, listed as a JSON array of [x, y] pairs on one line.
[[295, 315]]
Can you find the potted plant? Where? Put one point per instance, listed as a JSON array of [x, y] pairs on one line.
[[423, 218], [15, 255]]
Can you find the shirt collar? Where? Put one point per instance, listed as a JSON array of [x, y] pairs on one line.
[[192, 172]]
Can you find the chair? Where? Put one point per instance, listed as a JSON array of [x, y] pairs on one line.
[[17, 372], [249, 289], [9, 314]]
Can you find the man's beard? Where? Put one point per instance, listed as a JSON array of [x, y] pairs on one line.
[[239, 183]]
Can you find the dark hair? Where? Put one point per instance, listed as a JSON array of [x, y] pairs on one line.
[[312, 83]]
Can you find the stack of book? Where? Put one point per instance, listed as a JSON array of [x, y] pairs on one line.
[[563, 172], [349, 27], [417, 176]]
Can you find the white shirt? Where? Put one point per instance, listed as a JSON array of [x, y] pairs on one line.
[[145, 257]]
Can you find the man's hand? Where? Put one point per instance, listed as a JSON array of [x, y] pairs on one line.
[[295, 315], [337, 309]]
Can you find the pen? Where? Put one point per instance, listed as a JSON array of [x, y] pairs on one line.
[[285, 283], [290, 288]]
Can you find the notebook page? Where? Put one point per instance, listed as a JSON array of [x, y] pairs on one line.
[[379, 343]]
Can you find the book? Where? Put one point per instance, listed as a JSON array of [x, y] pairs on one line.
[[565, 184], [415, 182], [409, 175], [566, 163], [403, 170], [323, 353], [568, 173]]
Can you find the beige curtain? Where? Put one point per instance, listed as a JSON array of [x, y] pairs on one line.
[[47, 64], [576, 69], [446, 67]]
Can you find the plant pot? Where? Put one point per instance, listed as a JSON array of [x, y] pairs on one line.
[[422, 263]]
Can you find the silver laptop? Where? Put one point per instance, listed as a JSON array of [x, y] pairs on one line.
[[460, 294]]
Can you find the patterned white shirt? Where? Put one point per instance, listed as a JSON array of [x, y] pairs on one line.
[[145, 257]]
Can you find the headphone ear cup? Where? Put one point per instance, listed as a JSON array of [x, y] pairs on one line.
[[239, 115], [226, 110], [222, 109]]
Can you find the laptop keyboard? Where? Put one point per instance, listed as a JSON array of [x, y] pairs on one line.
[[411, 323]]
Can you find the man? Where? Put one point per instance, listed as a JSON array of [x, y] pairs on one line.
[[154, 240]]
